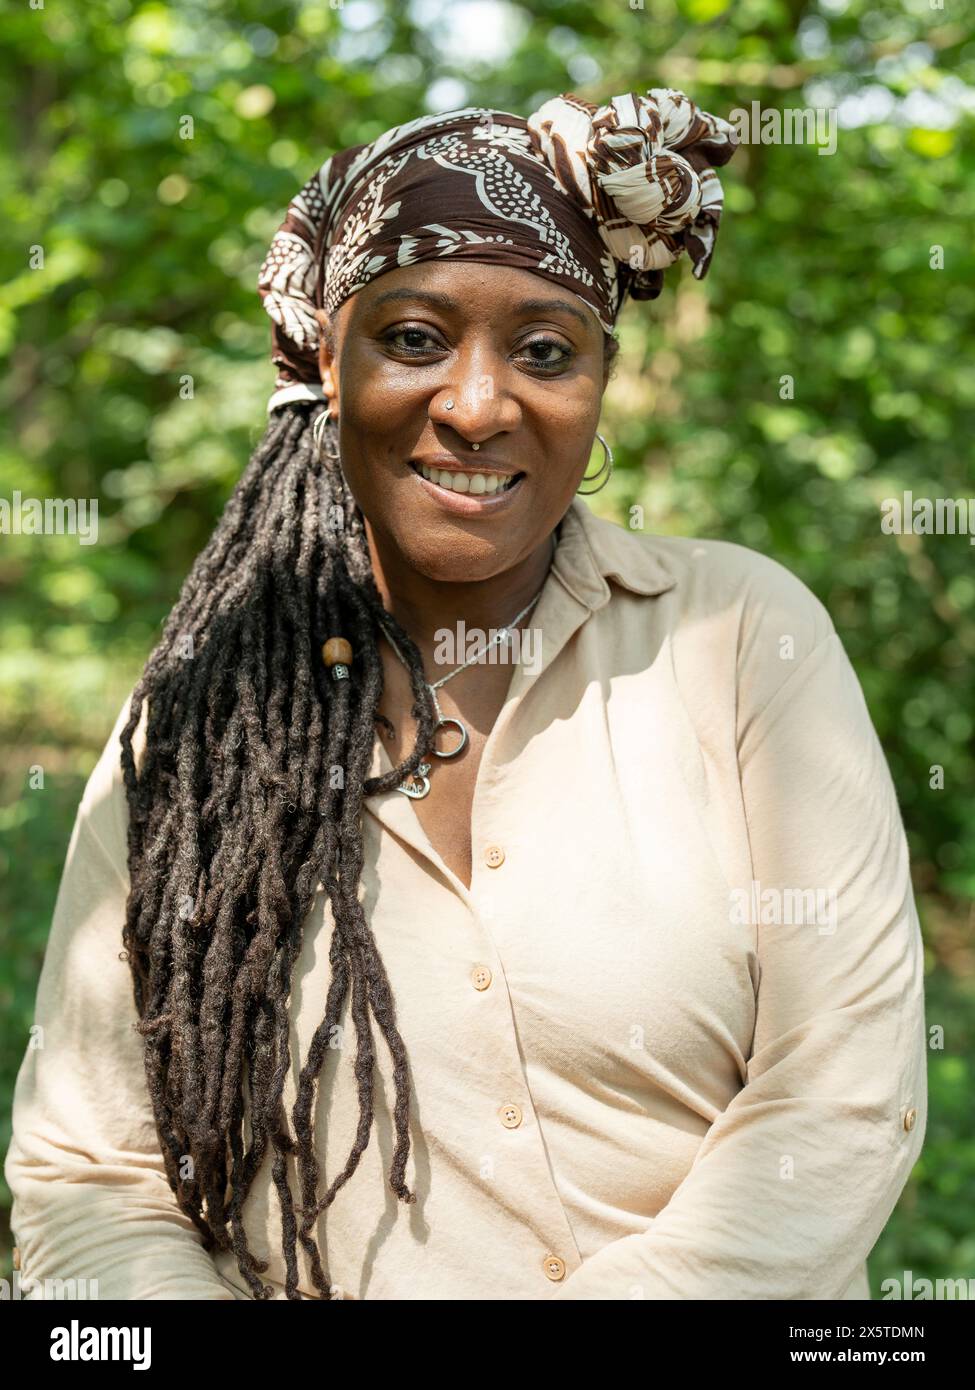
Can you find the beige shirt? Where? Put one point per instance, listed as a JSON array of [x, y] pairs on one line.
[[669, 1044]]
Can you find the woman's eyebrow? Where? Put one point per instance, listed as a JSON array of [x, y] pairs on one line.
[[443, 301], [553, 306], [435, 299]]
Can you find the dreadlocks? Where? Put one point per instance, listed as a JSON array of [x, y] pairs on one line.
[[250, 793]]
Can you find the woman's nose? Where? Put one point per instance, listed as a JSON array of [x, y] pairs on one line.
[[475, 408]]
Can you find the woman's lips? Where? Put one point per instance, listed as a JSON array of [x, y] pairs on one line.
[[469, 503]]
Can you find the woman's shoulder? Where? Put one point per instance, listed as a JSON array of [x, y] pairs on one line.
[[103, 806], [717, 574], [732, 617], [714, 579]]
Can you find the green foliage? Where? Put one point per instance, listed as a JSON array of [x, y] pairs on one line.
[[151, 245]]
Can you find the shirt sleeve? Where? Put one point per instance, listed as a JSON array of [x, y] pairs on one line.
[[795, 1180], [91, 1197]]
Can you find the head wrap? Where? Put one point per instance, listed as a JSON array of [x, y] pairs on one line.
[[599, 199]]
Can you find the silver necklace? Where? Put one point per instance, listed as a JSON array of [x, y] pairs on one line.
[[417, 785]]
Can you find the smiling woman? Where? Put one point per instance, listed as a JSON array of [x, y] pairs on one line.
[[599, 1077]]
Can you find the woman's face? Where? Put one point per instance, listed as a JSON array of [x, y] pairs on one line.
[[523, 362]]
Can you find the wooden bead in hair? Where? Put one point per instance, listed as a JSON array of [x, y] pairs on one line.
[[337, 656]]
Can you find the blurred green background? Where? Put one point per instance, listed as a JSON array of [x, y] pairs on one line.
[[152, 244]]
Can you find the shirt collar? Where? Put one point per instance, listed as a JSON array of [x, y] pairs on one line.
[[592, 550]]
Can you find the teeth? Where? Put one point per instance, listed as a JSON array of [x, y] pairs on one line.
[[480, 484]]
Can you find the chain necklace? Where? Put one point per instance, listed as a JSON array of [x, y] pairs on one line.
[[417, 785]]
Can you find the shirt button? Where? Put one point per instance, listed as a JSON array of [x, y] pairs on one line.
[[510, 1115], [554, 1267], [910, 1119], [494, 856], [480, 977]]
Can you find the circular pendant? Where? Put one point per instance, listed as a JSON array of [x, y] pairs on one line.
[[452, 752]]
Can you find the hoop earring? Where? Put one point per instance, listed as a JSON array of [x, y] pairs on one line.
[[607, 464], [317, 433]]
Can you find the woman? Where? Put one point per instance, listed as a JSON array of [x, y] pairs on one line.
[[611, 906]]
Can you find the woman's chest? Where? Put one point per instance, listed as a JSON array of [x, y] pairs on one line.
[[602, 862]]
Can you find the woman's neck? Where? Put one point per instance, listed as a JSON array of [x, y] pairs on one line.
[[422, 605]]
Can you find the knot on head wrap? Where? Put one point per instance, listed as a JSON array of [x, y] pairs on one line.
[[598, 199], [643, 165]]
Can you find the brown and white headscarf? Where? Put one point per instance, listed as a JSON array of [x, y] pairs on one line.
[[600, 199]]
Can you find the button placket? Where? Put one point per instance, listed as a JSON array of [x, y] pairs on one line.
[[491, 851], [553, 1222], [551, 1226]]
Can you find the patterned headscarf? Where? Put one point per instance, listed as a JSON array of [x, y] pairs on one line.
[[599, 199]]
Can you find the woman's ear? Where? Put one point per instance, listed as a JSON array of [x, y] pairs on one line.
[[326, 357]]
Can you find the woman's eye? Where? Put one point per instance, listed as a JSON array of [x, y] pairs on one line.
[[412, 333], [544, 347]]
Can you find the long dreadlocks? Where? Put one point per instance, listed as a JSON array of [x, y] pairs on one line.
[[235, 816]]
